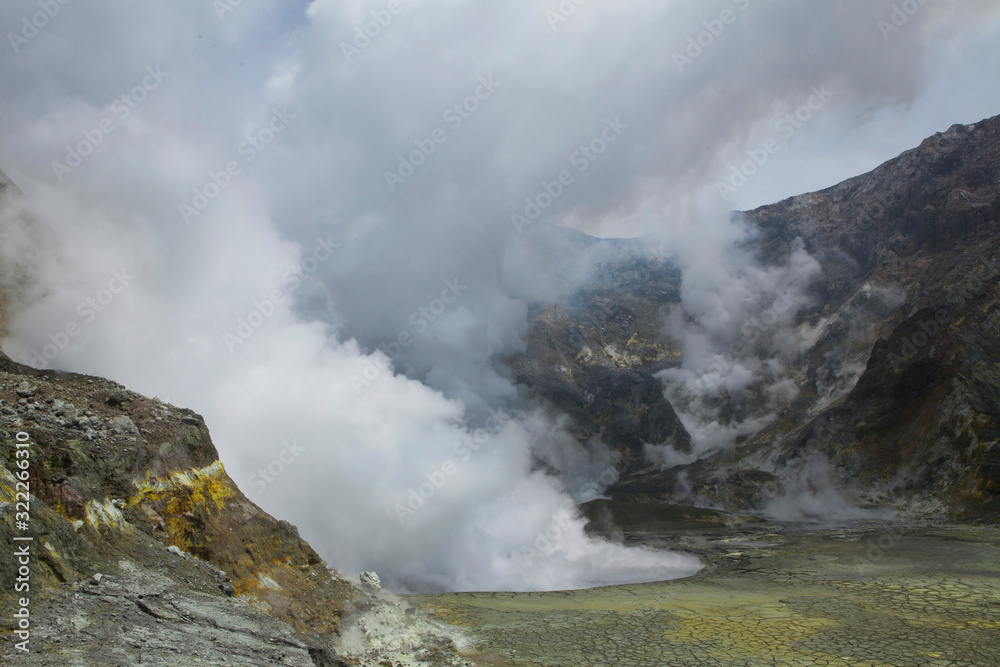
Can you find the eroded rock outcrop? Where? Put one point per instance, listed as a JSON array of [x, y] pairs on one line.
[[117, 478], [145, 550]]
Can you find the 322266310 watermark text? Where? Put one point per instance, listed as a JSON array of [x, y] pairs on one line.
[[22, 541]]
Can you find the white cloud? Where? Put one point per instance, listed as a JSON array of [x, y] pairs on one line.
[[324, 174]]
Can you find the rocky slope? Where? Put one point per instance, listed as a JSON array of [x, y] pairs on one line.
[[916, 427], [143, 550]]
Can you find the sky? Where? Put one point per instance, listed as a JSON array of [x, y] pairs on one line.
[[301, 219]]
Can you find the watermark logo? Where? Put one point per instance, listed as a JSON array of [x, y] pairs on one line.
[[562, 13], [418, 497], [740, 173], [248, 150], [584, 156], [264, 308], [900, 16], [364, 34], [22, 542], [33, 25], [420, 320], [697, 44], [455, 116], [122, 108], [751, 329], [266, 475], [88, 309]]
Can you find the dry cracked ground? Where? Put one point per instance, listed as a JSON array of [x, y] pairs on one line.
[[771, 594]]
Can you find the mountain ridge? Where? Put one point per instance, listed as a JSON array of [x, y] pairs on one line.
[[915, 427], [915, 224]]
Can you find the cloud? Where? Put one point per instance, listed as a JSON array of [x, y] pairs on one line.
[[350, 121]]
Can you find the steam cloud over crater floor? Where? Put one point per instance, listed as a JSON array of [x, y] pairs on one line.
[[346, 340]]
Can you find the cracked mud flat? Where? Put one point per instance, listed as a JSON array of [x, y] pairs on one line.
[[770, 594]]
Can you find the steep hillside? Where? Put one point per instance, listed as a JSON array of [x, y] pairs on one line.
[[920, 426], [907, 297]]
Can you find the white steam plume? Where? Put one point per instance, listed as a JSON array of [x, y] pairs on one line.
[[280, 139]]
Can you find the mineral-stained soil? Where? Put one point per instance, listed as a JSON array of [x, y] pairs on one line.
[[772, 594]]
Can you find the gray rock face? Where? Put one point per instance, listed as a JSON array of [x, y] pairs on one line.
[[922, 422], [146, 552], [370, 580], [920, 429], [143, 615], [123, 424]]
